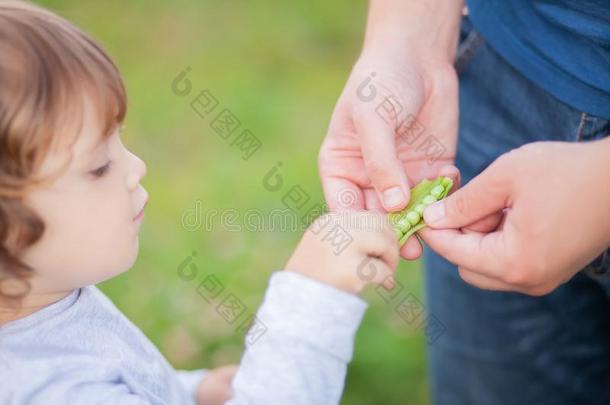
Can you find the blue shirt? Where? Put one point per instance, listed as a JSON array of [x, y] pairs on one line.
[[83, 350], [561, 45]]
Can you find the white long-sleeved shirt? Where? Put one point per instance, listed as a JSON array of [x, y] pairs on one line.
[[83, 350]]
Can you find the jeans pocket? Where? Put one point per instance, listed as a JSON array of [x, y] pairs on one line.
[[593, 128], [599, 270], [470, 41]]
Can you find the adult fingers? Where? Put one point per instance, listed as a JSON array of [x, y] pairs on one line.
[[454, 174], [483, 282], [481, 253], [484, 195], [412, 249], [383, 167], [371, 201], [485, 225], [342, 194]]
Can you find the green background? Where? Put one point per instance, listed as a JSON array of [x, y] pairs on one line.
[[279, 67]]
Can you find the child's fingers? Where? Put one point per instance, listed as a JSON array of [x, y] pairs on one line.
[[378, 272], [374, 233], [227, 372], [389, 283]]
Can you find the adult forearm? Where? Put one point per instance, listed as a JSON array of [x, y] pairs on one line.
[[426, 28], [602, 170]]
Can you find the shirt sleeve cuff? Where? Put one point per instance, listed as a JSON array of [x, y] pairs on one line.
[[190, 379], [311, 311]]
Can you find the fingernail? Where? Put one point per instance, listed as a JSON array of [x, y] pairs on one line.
[[434, 213], [393, 197]]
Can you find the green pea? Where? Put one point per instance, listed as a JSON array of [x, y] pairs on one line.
[[437, 191], [419, 208], [413, 217], [429, 199], [410, 220], [403, 224], [398, 233]]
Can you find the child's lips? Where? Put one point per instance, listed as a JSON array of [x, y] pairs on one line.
[[141, 213], [139, 217]]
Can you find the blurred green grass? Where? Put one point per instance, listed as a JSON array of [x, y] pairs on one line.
[[279, 66]]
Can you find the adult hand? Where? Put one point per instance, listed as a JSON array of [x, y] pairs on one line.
[[395, 122], [530, 221]]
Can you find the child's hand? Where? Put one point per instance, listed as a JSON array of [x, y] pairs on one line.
[[370, 257], [215, 388]]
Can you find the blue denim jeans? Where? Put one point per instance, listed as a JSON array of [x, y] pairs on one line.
[[510, 348]]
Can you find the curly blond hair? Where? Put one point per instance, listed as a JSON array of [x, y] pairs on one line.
[[46, 68]]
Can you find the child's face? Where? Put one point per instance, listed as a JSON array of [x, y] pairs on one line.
[[90, 213]]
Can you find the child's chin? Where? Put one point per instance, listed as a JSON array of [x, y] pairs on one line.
[[134, 254], [125, 265]]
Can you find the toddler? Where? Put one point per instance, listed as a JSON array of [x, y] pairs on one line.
[[71, 207]]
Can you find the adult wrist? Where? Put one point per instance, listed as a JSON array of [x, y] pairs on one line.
[[425, 30], [604, 171], [597, 158]]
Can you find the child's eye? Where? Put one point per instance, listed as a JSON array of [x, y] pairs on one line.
[[100, 171]]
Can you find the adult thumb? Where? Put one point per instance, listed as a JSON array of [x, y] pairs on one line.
[[386, 171], [485, 194]]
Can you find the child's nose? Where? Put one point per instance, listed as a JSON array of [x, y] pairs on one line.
[[137, 171]]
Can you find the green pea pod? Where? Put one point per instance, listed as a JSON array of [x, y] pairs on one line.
[[410, 220]]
